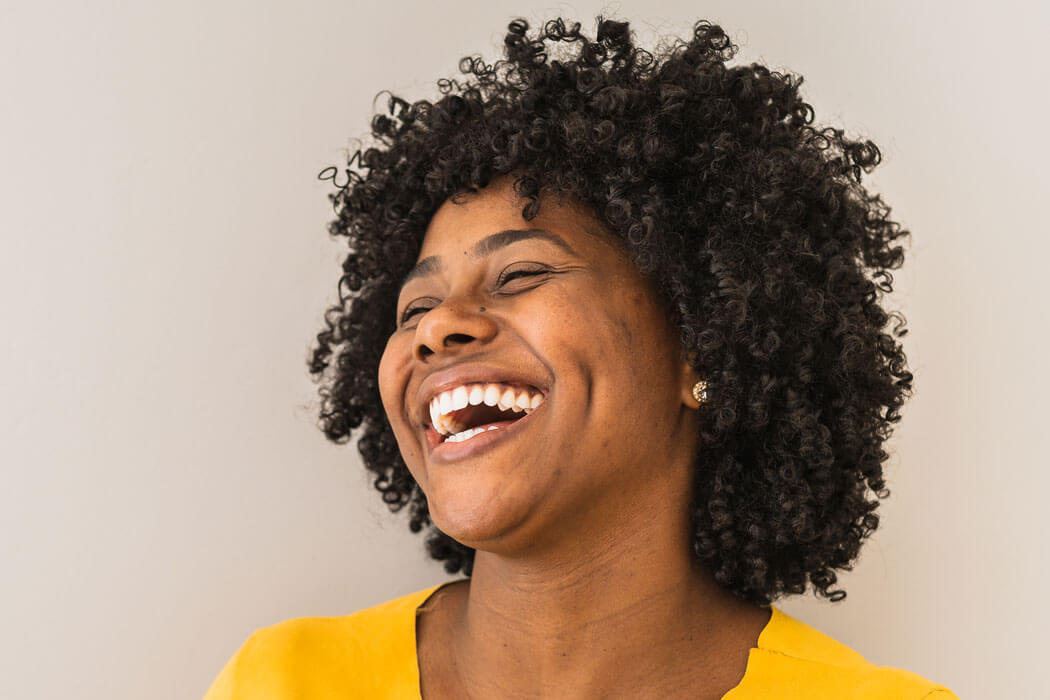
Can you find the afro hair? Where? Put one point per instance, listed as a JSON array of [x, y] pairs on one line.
[[753, 225]]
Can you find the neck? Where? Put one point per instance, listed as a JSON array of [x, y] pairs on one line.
[[613, 621]]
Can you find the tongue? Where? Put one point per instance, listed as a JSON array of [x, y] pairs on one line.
[[478, 429], [482, 416], [486, 426]]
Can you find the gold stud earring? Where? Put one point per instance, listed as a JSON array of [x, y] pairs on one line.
[[700, 391]]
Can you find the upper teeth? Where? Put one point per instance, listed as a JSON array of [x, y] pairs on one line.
[[507, 397]]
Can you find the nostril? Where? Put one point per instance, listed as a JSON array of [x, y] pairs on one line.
[[453, 338], [423, 351]]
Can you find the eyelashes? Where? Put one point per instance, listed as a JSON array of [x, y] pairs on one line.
[[508, 275], [411, 311], [504, 278]]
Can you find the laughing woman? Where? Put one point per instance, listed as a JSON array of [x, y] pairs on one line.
[[611, 329]]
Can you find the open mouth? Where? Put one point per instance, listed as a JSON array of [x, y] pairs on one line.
[[473, 420], [458, 414], [481, 438]]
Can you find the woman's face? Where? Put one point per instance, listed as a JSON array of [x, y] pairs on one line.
[[550, 315]]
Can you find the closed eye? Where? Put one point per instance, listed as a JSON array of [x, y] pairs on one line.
[[505, 278], [409, 313], [509, 275]]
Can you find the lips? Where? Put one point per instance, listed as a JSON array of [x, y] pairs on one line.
[[466, 406], [466, 375], [442, 451]]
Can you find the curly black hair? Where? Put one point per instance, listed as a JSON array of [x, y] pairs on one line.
[[754, 226]]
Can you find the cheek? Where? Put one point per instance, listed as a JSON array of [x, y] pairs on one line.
[[621, 343], [561, 323], [393, 375], [394, 372], [584, 330]]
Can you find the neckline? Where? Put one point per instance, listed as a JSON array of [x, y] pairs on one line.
[[774, 622]]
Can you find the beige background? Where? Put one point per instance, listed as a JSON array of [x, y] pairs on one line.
[[165, 266]]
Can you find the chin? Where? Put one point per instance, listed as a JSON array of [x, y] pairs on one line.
[[475, 517]]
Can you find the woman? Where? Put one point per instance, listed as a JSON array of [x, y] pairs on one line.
[[611, 328]]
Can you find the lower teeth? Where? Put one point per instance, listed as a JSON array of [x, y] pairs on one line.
[[467, 434]]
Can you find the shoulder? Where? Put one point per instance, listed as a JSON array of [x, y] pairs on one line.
[[795, 660], [370, 650]]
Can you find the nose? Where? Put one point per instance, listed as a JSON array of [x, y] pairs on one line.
[[452, 327]]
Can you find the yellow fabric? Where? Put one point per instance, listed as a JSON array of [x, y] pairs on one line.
[[371, 654]]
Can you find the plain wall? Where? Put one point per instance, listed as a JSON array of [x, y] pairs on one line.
[[165, 267]]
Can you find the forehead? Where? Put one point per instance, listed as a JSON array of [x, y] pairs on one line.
[[464, 220]]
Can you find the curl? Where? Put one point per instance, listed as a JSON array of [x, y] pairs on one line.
[[754, 225]]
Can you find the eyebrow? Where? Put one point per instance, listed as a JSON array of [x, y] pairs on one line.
[[487, 246]]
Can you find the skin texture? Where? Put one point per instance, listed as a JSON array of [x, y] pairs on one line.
[[584, 583], [752, 222]]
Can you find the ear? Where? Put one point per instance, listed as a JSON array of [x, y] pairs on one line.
[[687, 378]]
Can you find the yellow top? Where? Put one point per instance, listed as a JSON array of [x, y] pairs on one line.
[[372, 654]]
